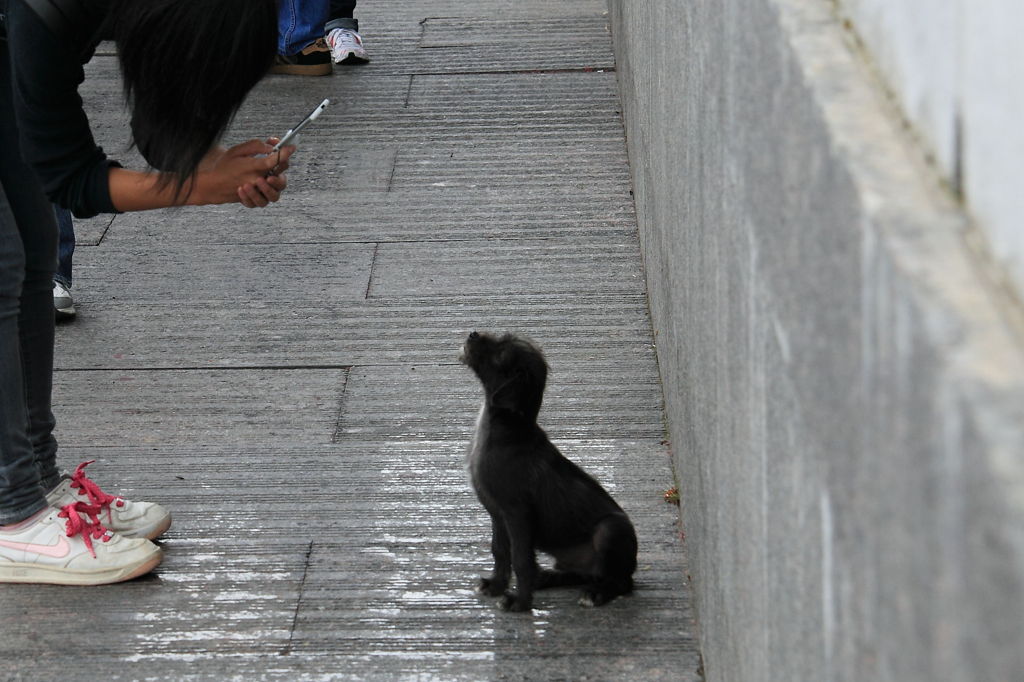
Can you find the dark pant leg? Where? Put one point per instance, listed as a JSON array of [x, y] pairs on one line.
[[28, 259], [66, 246], [341, 15], [342, 9]]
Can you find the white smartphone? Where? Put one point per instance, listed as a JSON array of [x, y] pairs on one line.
[[289, 137]]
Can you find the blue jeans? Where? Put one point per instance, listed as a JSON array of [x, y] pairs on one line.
[[66, 247], [28, 260], [301, 22]]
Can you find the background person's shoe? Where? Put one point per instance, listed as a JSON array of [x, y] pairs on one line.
[[63, 304], [347, 46], [124, 517], [65, 547], [315, 60]]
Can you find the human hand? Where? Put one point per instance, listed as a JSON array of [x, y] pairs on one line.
[[212, 157], [243, 173]]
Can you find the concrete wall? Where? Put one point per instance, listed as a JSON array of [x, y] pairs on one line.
[[957, 68], [844, 381]]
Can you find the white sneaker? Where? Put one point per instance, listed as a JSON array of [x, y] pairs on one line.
[[130, 519], [66, 547], [346, 46], [63, 304]]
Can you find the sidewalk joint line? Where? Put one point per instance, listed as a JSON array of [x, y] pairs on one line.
[[516, 72], [203, 368], [298, 601], [373, 266], [103, 235], [394, 167], [342, 400], [408, 91]]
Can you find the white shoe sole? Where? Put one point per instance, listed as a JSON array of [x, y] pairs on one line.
[[37, 574], [352, 58]]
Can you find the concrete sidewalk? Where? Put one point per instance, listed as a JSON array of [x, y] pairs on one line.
[[285, 380]]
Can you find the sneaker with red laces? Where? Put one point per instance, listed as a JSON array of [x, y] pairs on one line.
[[124, 517], [67, 547]]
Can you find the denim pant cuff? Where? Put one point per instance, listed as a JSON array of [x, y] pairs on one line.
[[344, 22]]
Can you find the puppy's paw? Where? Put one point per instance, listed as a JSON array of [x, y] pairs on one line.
[[490, 587], [511, 602], [591, 598]]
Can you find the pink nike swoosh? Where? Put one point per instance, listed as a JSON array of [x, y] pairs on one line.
[[57, 551]]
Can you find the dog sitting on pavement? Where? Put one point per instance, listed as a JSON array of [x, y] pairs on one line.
[[536, 498]]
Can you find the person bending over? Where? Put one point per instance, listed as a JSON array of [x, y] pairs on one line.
[[187, 66]]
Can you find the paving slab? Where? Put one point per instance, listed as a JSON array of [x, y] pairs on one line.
[[286, 381]]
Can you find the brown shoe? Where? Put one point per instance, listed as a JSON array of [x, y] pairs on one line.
[[315, 60]]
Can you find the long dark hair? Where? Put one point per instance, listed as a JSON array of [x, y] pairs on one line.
[[187, 67]]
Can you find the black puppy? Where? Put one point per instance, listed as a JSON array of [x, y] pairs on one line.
[[537, 498]]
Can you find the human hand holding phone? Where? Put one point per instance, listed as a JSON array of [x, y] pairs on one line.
[[269, 184], [243, 174], [224, 176]]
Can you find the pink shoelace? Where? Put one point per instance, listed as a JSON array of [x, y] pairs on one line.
[[97, 498], [81, 520]]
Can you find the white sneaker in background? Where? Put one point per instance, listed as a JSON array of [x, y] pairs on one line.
[[346, 46], [63, 304], [66, 547]]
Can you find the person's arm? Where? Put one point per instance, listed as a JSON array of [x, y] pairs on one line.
[[56, 139], [227, 176], [54, 134]]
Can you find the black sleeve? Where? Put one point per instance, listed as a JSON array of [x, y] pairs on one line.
[[55, 137]]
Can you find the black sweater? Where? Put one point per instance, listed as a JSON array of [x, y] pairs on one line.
[[46, 71]]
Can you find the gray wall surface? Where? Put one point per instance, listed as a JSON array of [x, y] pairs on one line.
[[844, 381]]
